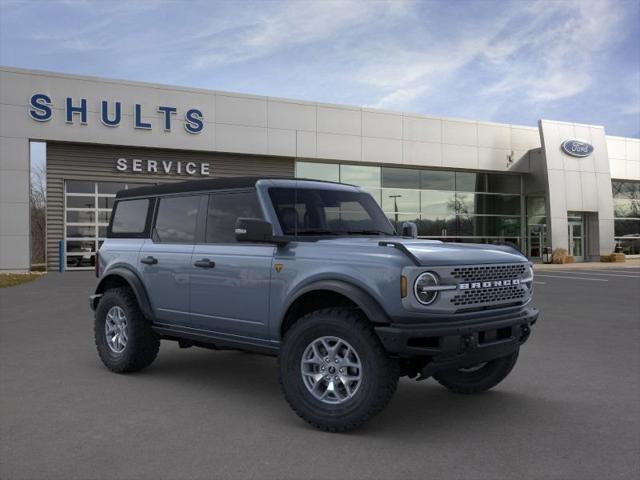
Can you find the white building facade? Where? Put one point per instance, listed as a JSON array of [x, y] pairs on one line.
[[555, 185]]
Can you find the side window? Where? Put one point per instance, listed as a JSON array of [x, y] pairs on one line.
[[176, 219], [130, 216], [224, 210]]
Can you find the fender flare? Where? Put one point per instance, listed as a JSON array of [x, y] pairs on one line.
[[369, 305], [135, 283]]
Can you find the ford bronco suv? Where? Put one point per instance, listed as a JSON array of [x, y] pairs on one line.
[[314, 273]]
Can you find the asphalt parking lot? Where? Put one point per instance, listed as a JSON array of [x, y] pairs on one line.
[[569, 410]]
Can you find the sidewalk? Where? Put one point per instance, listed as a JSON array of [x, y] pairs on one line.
[[630, 263]]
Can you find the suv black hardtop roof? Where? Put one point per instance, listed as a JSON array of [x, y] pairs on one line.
[[223, 183]]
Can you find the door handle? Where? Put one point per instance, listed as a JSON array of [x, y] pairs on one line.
[[204, 263], [149, 260]]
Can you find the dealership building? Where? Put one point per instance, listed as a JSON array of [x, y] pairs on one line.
[[554, 185]]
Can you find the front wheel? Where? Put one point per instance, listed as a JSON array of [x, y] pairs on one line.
[[333, 370], [477, 378]]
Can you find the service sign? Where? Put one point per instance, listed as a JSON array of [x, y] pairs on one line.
[[577, 148]]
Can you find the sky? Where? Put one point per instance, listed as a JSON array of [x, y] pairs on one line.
[[502, 61]]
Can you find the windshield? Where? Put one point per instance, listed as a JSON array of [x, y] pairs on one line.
[[309, 211]]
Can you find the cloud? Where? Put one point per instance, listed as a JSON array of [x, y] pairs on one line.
[[280, 26], [542, 52]]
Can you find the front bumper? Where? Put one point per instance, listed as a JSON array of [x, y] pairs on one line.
[[459, 344]]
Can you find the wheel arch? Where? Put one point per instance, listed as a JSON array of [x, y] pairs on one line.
[[123, 276], [328, 293]]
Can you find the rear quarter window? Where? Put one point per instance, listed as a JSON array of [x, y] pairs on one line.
[[130, 217]]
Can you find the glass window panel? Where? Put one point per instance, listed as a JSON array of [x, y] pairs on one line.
[[436, 203], [103, 217], [81, 216], [400, 200], [318, 171], [80, 261], [81, 202], [536, 206], [486, 204], [536, 220], [81, 246], [362, 176], [130, 216], [626, 208], [110, 187], [435, 226], [470, 182], [400, 178], [629, 245], [176, 219], [398, 220], [102, 231], [626, 189], [503, 183], [465, 203], [106, 202], [75, 232], [437, 180], [627, 227], [224, 210], [470, 225], [136, 185], [76, 186]]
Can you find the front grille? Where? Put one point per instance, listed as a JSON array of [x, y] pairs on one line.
[[513, 293], [481, 289], [488, 272]]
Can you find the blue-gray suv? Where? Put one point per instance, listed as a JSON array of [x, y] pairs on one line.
[[314, 273]]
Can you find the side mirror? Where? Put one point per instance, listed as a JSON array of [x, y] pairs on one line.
[[253, 230], [409, 229]]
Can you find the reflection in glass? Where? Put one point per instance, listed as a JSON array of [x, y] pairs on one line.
[[74, 216], [436, 226], [435, 203], [110, 187], [81, 202], [76, 186], [626, 227], [626, 208], [318, 171], [362, 176], [437, 180], [400, 178], [400, 200], [470, 182]]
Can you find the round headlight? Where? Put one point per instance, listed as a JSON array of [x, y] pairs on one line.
[[422, 288]]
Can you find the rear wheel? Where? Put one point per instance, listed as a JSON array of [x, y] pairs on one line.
[[477, 378], [124, 338], [333, 370]]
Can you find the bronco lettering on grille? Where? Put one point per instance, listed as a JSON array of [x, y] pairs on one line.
[[494, 283]]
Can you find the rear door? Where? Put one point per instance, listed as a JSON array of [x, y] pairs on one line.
[[230, 280], [165, 259]]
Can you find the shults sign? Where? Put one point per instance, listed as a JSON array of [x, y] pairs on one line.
[[110, 114]]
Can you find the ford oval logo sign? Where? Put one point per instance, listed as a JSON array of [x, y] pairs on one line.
[[577, 148]]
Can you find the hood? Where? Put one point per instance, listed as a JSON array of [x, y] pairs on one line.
[[435, 252]]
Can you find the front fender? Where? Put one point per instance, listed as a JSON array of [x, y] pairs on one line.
[[370, 306], [134, 282]]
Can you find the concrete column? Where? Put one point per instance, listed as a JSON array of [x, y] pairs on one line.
[[14, 204]]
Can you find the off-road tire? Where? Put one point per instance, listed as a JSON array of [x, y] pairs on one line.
[[142, 344], [379, 372], [480, 380]]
